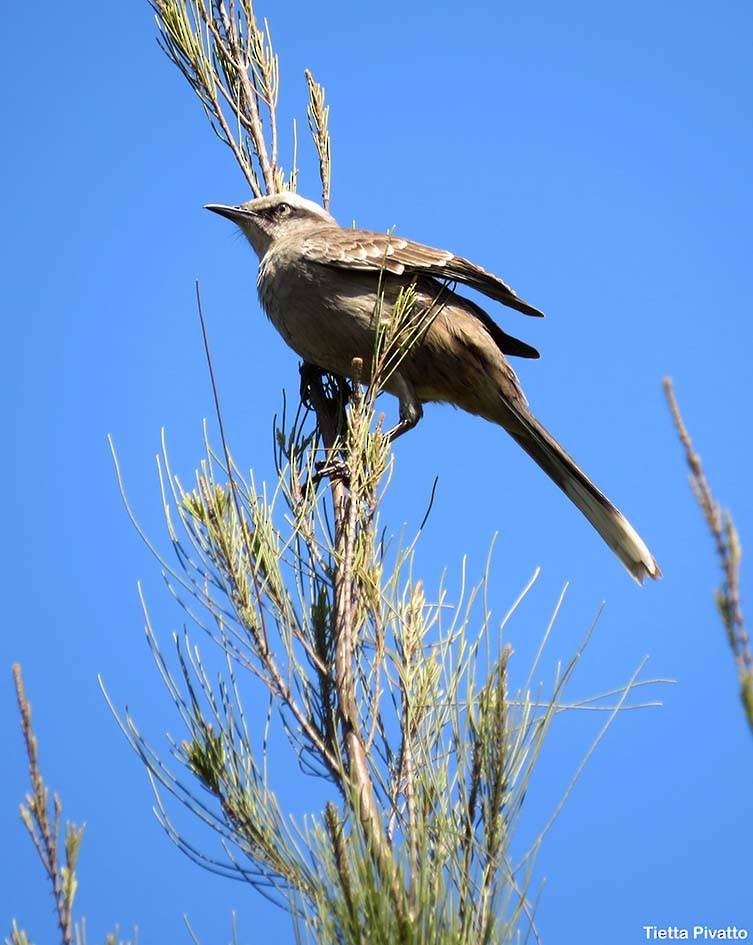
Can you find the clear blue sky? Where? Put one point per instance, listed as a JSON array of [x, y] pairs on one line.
[[598, 156]]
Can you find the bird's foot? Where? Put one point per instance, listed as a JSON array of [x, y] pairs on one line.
[[410, 414], [336, 470], [411, 410]]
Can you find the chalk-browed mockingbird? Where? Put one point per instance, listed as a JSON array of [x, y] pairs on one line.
[[319, 284]]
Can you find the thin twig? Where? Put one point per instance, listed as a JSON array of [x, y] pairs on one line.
[[263, 649], [44, 832], [729, 551], [250, 95], [318, 116]]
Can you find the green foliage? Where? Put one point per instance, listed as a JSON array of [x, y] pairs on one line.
[[229, 62], [398, 702]]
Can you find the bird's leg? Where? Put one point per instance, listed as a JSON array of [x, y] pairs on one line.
[[328, 401], [411, 410], [309, 373]]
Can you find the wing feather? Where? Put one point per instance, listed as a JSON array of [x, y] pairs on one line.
[[371, 252]]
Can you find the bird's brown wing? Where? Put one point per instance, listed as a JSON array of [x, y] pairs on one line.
[[507, 344], [373, 252]]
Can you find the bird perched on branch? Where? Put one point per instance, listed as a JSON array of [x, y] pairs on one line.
[[320, 283]]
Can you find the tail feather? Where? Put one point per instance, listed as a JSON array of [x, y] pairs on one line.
[[613, 527]]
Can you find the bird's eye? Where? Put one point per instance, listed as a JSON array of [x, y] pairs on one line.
[[283, 210]]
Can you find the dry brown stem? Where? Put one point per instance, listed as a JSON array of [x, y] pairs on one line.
[[729, 550], [43, 823]]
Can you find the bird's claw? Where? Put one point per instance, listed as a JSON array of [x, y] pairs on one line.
[[336, 470]]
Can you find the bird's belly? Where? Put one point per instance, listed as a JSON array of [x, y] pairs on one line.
[[327, 324], [328, 317]]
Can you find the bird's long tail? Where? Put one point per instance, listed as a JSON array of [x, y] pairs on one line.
[[613, 527]]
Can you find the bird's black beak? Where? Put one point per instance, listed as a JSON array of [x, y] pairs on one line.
[[231, 213]]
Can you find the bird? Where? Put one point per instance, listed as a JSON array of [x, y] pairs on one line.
[[320, 285]]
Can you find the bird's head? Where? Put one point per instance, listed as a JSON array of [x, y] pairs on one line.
[[267, 219]]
